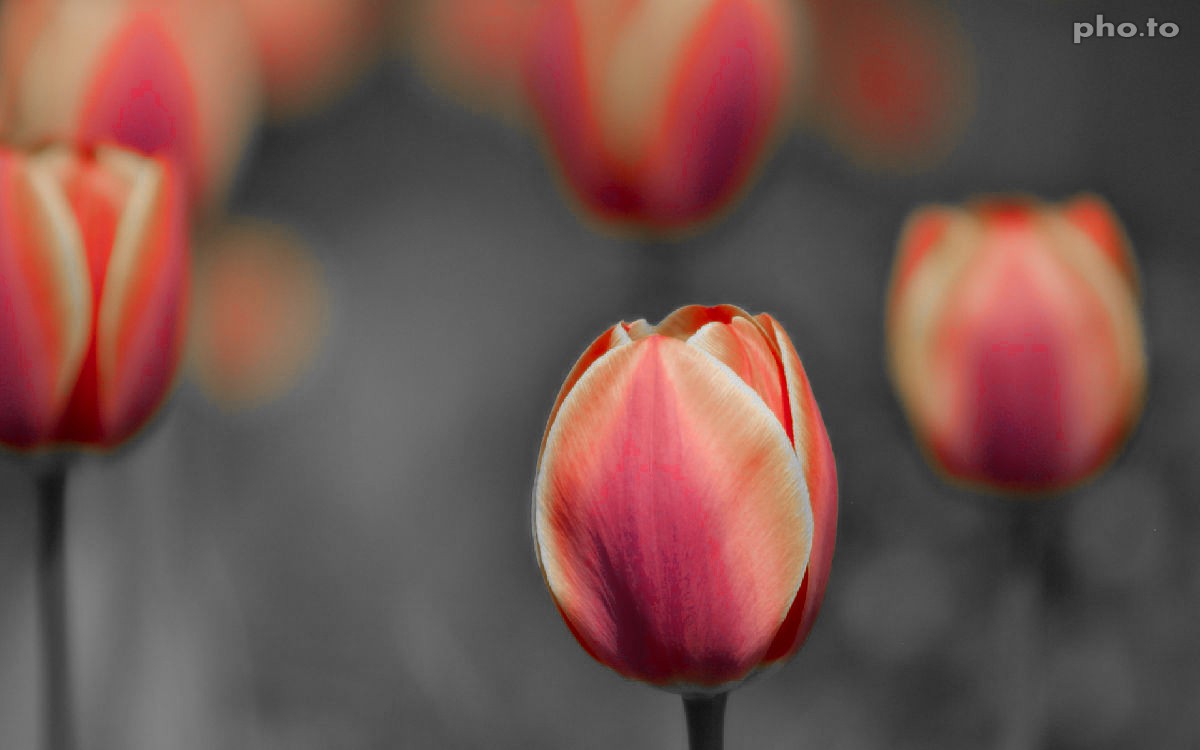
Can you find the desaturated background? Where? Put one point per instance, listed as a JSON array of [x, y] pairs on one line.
[[351, 565]]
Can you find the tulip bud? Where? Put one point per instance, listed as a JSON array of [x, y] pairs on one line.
[[895, 84], [474, 49], [657, 112], [311, 50], [1015, 341], [93, 275], [685, 504], [174, 78]]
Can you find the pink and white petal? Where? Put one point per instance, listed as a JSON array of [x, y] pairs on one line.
[[742, 346], [672, 517], [820, 473], [142, 311], [683, 323], [45, 301], [1093, 216], [616, 336]]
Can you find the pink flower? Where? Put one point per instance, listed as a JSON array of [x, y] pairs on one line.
[[1015, 340], [658, 112], [685, 504], [93, 293]]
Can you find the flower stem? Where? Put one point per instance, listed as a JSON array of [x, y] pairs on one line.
[[1022, 620], [705, 721], [52, 609]]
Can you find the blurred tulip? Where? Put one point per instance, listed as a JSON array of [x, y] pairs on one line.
[[895, 80], [685, 504], [474, 49], [260, 313], [657, 112], [1015, 340], [312, 50], [175, 78], [93, 287]]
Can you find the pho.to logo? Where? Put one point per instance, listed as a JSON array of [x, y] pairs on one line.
[[1102, 28]]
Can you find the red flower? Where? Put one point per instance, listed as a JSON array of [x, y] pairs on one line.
[[1015, 340], [686, 500], [658, 112], [93, 288]]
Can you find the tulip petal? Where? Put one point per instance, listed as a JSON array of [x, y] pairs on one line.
[[138, 339], [141, 96], [1094, 217], [820, 474], [605, 342], [721, 114], [1043, 331], [45, 302], [741, 346], [672, 517]]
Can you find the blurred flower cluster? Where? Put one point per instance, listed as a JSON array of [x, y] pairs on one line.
[[656, 114]]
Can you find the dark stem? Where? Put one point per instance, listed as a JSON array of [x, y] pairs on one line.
[[1022, 619], [52, 609], [705, 721]]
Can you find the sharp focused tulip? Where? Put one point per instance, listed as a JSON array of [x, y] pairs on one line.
[[93, 275], [657, 112], [174, 78], [685, 504], [1015, 340]]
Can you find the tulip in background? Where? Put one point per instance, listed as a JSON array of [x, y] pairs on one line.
[[93, 290], [685, 504], [657, 112], [93, 293], [894, 83], [1015, 345], [1015, 340], [260, 313], [309, 51], [474, 49], [172, 78]]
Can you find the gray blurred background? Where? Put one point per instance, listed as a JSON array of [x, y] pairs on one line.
[[351, 565]]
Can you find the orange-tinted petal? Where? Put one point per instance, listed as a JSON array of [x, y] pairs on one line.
[[260, 314], [671, 517], [1017, 349], [45, 301], [604, 343], [141, 317], [820, 474], [1094, 217]]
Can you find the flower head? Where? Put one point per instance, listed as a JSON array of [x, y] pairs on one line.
[[1015, 340], [685, 503], [93, 289]]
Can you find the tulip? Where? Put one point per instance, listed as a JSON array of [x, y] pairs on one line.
[[685, 503], [1015, 342], [93, 275], [260, 313], [895, 83], [474, 49], [312, 50], [657, 112], [173, 78]]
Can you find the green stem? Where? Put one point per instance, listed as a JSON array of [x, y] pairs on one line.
[[58, 732], [705, 721]]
